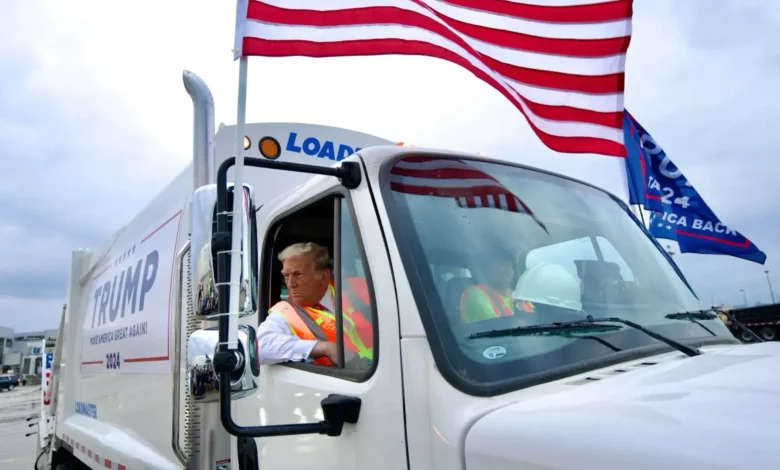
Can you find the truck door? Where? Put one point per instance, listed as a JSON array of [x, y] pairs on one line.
[[292, 392]]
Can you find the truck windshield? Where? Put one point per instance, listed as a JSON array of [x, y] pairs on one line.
[[490, 246]]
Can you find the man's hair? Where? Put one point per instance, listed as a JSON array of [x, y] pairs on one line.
[[318, 254]]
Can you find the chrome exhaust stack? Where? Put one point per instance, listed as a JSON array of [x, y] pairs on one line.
[[203, 134]]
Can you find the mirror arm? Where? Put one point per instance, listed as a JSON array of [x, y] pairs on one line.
[[337, 409], [348, 173]]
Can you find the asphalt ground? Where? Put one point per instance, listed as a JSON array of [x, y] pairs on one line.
[[17, 452]]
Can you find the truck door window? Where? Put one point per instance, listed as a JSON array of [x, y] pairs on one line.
[[314, 222]]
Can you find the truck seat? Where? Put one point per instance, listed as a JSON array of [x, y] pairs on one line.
[[452, 293]]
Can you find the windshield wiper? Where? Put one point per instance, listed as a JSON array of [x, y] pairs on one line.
[[578, 331], [708, 315], [573, 332], [578, 325], [693, 317]]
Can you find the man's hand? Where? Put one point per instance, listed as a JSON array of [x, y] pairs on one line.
[[323, 348]]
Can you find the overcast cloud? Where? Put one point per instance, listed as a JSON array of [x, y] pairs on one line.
[[94, 121]]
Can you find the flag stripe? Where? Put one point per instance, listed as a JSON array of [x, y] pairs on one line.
[[540, 90], [440, 191], [446, 173], [568, 47], [565, 13], [564, 139], [545, 29], [416, 15], [456, 179], [444, 182], [560, 62], [595, 84], [605, 125], [425, 168]]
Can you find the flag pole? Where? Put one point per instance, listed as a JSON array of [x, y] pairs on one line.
[[238, 208], [641, 214], [629, 185]]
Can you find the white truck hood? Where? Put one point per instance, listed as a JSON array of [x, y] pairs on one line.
[[720, 410]]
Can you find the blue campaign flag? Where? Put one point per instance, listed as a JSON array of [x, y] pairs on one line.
[[678, 211]]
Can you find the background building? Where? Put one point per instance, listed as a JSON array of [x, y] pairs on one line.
[[21, 352]]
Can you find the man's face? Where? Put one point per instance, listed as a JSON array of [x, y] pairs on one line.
[[305, 285], [500, 273]]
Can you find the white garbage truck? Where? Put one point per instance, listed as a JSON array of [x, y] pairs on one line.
[[590, 350]]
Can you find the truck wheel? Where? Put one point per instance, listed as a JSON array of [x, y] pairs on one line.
[[768, 333], [746, 337]]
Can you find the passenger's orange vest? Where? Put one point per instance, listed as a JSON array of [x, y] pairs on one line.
[[358, 333], [360, 287], [499, 308]]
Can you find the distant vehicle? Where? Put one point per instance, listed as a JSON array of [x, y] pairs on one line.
[[763, 320], [9, 382]]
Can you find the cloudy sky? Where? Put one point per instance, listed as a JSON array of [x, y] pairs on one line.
[[94, 120]]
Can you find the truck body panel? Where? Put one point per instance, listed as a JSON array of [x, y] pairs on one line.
[[675, 412], [116, 382]]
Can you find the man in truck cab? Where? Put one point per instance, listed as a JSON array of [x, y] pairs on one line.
[[303, 327], [493, 297], [544, 283]]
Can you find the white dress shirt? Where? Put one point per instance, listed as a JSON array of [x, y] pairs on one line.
[[276, 343]]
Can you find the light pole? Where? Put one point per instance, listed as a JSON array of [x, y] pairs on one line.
[[744, 296], [771, 292]]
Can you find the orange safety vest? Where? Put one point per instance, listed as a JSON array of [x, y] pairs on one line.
[[496, 301], [363, 326], [355, 337]]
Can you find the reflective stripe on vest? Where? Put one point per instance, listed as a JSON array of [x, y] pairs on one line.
[[360, 290], [327, 322], [495, 300], [364, 328]]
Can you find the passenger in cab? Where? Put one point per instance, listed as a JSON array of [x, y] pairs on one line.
[[303, 327], [493, 297]]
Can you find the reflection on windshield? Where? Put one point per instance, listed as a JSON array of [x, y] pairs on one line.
[[498, 246]]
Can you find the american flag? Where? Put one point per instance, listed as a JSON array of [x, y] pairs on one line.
[[456, 179], [561, 63]]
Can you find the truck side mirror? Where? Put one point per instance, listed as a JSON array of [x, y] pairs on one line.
[[203, 382], [205, 296]]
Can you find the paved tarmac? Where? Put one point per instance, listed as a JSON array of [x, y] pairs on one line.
[[17, 452]]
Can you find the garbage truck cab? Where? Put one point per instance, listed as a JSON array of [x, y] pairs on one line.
[[514, 318]]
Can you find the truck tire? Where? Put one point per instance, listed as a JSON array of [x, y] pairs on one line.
[[746, 337], [768, 333]]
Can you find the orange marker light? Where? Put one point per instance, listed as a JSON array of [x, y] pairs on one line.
[[270, 148]]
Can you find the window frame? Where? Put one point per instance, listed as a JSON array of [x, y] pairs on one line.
[[440, 339], [267, 253]]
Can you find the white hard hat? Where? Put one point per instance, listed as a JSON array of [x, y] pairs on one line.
[[551, 284]]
